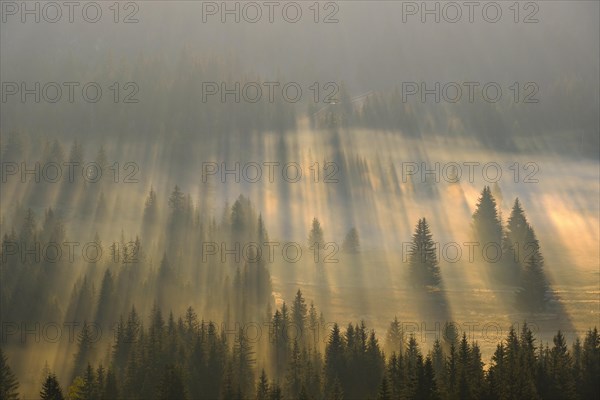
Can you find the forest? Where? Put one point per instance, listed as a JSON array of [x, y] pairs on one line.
[[337, 200]]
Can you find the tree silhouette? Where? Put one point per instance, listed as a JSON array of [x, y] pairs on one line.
[[51, 389], [299, 316], [8, 382], [487, 228], [351, 242], [315, 236], [423, 264], [262, 387]]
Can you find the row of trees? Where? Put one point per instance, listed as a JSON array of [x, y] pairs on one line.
[[498, 125], [191, 359]]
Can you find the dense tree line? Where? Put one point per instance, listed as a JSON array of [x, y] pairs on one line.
[[189, 358], [498, 125]]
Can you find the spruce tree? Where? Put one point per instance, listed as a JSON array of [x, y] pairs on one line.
[[423, 261], [351, 244], [486, 223], [110, 390], [262, 387], [51, 389], [590, 360], [8, 382], [561, 364], [315, 236], [394, 337], [384, 390], [334, 359], [299, 316]]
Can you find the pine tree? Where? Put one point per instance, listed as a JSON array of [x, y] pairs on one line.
[[262, 387], [451, 384], [561, 364], [150, 208], [299, 316], [334, 358], [315, 236], [374, 364], [313, 327], [85, 346], [394, 337], [293, 382], [8, 382], [517, 235], [423, 261], [413, 359], [243, 359], [90, 390], [438, 361], [590, 360], [177, 204], [527, 363], [426, 387], [105, 299], [51, 389], [351, 244], [395, 372], [384, 390], [110, 390], [496, 374], [486, 223], [475, 372]]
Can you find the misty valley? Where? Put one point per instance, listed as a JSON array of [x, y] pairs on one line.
[[299, 200]]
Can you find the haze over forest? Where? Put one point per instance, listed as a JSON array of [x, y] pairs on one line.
[[365, 203]]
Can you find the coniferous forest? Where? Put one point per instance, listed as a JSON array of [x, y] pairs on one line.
[[299, 200]]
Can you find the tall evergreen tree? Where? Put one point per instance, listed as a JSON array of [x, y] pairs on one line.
[[561, 364], [243, 361], [315, 236], [85, 342], [299, 317], [51, 389], [351, 242], [384, 390], [590, 364], [423, 261], [8, 382], [486, 222], [394, 337], [334, 358], [262, 387]]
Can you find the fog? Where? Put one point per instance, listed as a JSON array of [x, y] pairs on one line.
[[369, 116]]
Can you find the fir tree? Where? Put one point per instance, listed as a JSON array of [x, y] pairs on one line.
[[351, 244], [8, 382], [51, 389], [423, 262], [486, 223], [315, 236]]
